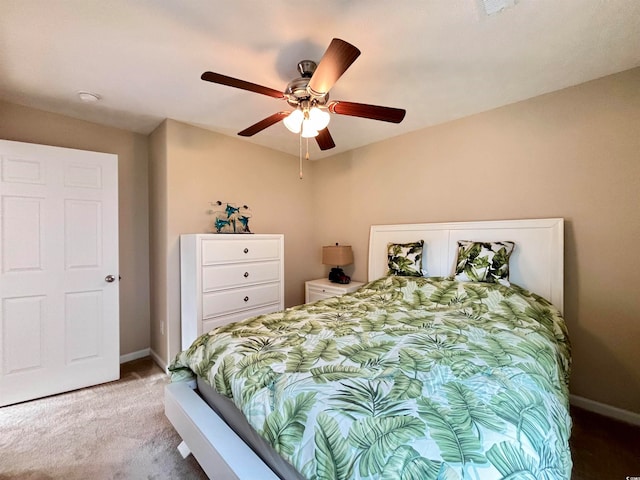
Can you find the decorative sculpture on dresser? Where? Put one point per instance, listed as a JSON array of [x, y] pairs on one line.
[[230, 219]]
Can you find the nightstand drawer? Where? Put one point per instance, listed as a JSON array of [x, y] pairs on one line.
[[322, 288], [215, 277], [313, 295], [227, 301], [325, 292]]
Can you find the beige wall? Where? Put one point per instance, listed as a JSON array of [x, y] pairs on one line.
[[202, 167], [24, 124], [572, 154]]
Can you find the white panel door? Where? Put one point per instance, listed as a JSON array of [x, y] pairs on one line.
[[59, 307]]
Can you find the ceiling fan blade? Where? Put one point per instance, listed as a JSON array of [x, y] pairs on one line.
[[374, 112], [338, 57], [264, 123], [325, 142], [241, 84]]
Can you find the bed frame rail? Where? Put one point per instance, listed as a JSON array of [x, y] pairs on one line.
[[219, 451]]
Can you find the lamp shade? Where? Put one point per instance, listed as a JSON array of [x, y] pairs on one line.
[[337, 255]]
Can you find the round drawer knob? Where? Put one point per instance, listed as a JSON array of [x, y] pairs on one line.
[[246, 299], [246, 274], [246, 250]]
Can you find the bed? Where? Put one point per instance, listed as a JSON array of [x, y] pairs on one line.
[[418, 374]]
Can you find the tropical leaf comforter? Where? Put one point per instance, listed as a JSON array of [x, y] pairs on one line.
[[407, 378]]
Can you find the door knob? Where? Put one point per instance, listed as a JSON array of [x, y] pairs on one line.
[[110, 278]]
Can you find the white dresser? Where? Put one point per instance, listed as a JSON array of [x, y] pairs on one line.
[[228, 277]]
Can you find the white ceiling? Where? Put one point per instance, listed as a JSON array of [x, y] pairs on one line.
[[438, 59]]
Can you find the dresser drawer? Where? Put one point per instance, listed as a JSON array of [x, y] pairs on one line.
[[211, 323], [227, 301], [216, 251], [238, 274]]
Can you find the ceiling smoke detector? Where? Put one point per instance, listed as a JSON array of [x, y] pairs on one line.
[[88, 97], [491, 7]]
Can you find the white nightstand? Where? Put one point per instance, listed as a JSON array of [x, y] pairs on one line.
[[323, 288]]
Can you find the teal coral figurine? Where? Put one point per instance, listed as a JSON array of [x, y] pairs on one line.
[[228, 218]]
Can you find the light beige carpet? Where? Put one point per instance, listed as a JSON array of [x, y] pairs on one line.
[[113, 431]]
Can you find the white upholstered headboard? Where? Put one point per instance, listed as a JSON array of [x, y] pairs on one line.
[[537, 263]]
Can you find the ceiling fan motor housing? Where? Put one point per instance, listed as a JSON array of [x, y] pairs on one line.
[[297, 91], [306, 68]]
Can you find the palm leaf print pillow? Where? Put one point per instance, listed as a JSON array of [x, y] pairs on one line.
[[483, 261], [405, 259]]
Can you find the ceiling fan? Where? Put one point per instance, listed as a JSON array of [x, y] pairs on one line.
[[309, 95]]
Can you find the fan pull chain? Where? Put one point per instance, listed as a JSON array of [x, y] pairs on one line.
[[306, 157], [300, 137]]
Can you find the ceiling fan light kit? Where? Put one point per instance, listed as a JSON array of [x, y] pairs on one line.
[[307, 121], [309, 95], [294, 121], [307, 130]]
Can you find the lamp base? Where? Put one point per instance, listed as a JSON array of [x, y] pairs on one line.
[[336, 275]]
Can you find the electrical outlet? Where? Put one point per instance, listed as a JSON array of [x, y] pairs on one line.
[[162, 328]]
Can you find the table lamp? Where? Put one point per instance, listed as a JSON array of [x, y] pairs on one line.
[[337, 256]]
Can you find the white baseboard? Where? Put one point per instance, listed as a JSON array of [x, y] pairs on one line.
[[606, 410], [128, 357], [145, 352], [161, 363]]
